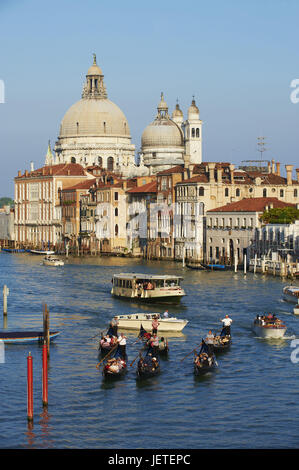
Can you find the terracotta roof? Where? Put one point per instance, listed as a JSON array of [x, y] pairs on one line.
[[257, 204], [145, 188], [83, 185], [200, 178], [169, 171], [62, 169]]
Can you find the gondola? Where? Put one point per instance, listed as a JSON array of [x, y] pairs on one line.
[[105, 349], [206, 363], [18, 337], [222, 344], [116, 366], [197, 266], [215, 267], [145, 336], [148, 365]]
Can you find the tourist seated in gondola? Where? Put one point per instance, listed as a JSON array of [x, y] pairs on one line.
[[105, 342], [154, 344], [155, 363], [162, 344]]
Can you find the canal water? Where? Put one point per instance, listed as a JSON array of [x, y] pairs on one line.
[[252, 401]]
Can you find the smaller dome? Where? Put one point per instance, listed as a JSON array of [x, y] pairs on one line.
[[193, 111], [162, 134], [177, 112]]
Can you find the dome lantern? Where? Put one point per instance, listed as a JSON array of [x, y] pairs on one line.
[[94, 86]]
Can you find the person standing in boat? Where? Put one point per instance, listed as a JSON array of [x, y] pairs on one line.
[[155, 325], [122, 341], [226, 322], [210, 343], [165, 314], [154, 344], [114, 325]]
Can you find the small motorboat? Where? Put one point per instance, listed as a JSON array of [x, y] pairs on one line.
[[17, 337], [116, 366], [135, 320], [42, 252], [268, 326], [203, 361], [291, 294], [222, 342], [148, 365], [52, 261]]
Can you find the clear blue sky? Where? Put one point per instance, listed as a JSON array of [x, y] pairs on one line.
[[237, 57]]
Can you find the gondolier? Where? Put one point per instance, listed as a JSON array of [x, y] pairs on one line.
[[155, 325], [122, 341], [114, 325], [226, 322], [210, 343]]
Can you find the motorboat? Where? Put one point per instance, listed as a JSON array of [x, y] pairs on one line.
[[268, 326], [42, 252], [147, 287], [291, 294], [52, 261], [135, 320]]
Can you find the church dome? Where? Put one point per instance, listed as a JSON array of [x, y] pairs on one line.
[[162, 132], [94, 117]]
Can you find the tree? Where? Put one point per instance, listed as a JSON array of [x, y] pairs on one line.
[[281, 215], [6, 201]]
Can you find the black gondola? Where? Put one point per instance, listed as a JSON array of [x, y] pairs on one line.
[[197, 266], [204, 362], [163, 348], [148, 365], [105, 349], [115, 366], [223, 343]]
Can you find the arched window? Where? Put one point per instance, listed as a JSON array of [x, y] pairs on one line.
[[237, 192], [281, 193], [295, 193], [116, 212], [201, 191], [226, 192], [104, 125], [197, 132], [116, 230], [193, 132], [110, 164], [100, 161], [265, 192], [73, 160]]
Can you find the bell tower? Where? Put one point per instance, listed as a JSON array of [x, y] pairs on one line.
[[193, 135]]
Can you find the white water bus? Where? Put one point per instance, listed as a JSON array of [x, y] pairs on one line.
[[147, 287]]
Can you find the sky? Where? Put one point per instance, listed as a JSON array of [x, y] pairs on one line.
[[238, 58]]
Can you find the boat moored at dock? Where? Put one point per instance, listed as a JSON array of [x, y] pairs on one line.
[[135, 320], [291, 294], [16, 337], [52, 261], [147, 287], [268, 326]]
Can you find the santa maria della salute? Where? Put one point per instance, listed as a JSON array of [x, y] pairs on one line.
[[95, 132]]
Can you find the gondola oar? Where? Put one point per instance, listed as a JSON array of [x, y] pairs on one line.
[[112, 349], [193, 350], [135, 359]]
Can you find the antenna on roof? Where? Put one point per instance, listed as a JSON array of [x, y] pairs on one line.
[[261, 146]]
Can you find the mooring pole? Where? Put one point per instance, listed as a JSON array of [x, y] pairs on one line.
[[45, 374], [5, 295], [29, 388]]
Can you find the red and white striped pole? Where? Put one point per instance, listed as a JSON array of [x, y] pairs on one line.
[[29, 387], [45, 375]]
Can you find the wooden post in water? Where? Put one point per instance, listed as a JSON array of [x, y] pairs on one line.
[[245, 263], [46, 328], [45, 374], [255, 259], [29, 388], [5, 295]]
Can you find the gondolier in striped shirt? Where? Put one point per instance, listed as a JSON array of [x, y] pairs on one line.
[[155, 325]]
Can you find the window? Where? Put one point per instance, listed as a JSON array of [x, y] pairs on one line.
[[116, 230], [193, 132], [237, 192], [265, 192], [281, 193], [295, 193], [201, 191], [116, 212], [110, 164], [100, 161], [226, 192], [116, 196], [197, 132]]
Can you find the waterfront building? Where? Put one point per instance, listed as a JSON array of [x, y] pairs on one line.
[[214, 184], [278, 242], [231, 229], [7, 229], [38, 220]]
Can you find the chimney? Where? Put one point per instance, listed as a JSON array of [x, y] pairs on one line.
[[211, 167], [26, 172], [125, 185], [273, 167], [278, 168], [68, 172], [191, 168], [20, 173], [219, 175], [289, 169], [50, 171], [43, 171], [297, 171], [231, 169], [269, 167], [31, 166], [185, 174]]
